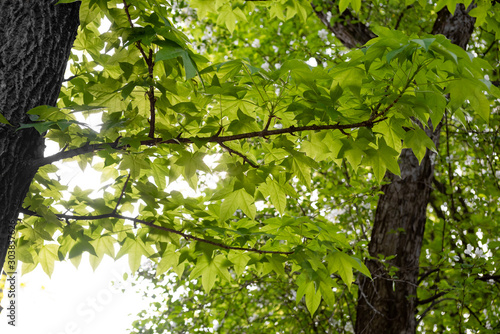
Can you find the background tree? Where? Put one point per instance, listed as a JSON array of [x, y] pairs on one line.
[[170, 112]]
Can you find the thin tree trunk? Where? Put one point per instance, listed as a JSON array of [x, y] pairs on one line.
[[35, 42], [388, 304]]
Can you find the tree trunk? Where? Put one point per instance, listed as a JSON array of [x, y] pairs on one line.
[[388, 304], [36, 37]]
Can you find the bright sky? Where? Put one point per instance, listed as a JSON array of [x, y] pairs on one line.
[[75, 301]]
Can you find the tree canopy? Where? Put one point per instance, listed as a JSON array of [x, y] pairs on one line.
[[285, 130]]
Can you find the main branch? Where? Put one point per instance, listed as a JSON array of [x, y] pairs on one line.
[[89, 148], [158, 227]]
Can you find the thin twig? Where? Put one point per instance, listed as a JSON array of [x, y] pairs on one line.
[[426, 274], [245, 158], [401, 16], [70, 78], [428, 300], [270, 118], [149, 61], [435, 302], [122, 194]]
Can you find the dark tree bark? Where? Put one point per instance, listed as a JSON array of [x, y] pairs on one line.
[[385, 304], [36, 37], [345, 27]]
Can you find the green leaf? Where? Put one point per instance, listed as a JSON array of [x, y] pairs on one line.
[[359, 265], [312, 297], [243, 124], [3, 119], [342, 264], [189, 66], [418, 141], [135, 248], [335, 92], [425, 42], [239, 199], [343, 5], [47, 256], [134, 163], [191, 163], [80, 247], [88, 13], [350, 77], [209, 269], [160, 171], [277, 195], [446, 53], [203, 7], [468, 89], [240, 260], [301, 167], [227, 17], [170, 50], [383, 158], [104, 245], [169, 259]]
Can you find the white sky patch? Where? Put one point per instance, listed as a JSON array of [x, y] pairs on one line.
[[312, 62], [76, 300]]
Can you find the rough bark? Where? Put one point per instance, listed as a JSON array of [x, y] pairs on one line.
[[387, 304], [345, 26], [35, 42]]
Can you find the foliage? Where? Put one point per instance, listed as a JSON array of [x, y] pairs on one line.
[[287, 142]]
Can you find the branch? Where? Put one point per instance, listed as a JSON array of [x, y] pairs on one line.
[[245, 158], [426, 274], [488, 277], [401, 16], [435, 302], [365, 297], [87, 148], [70, 78], [151, 64], [138, 43], [269, 119], [150, 224], [346, 27], [121, 194], [428, 300]]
